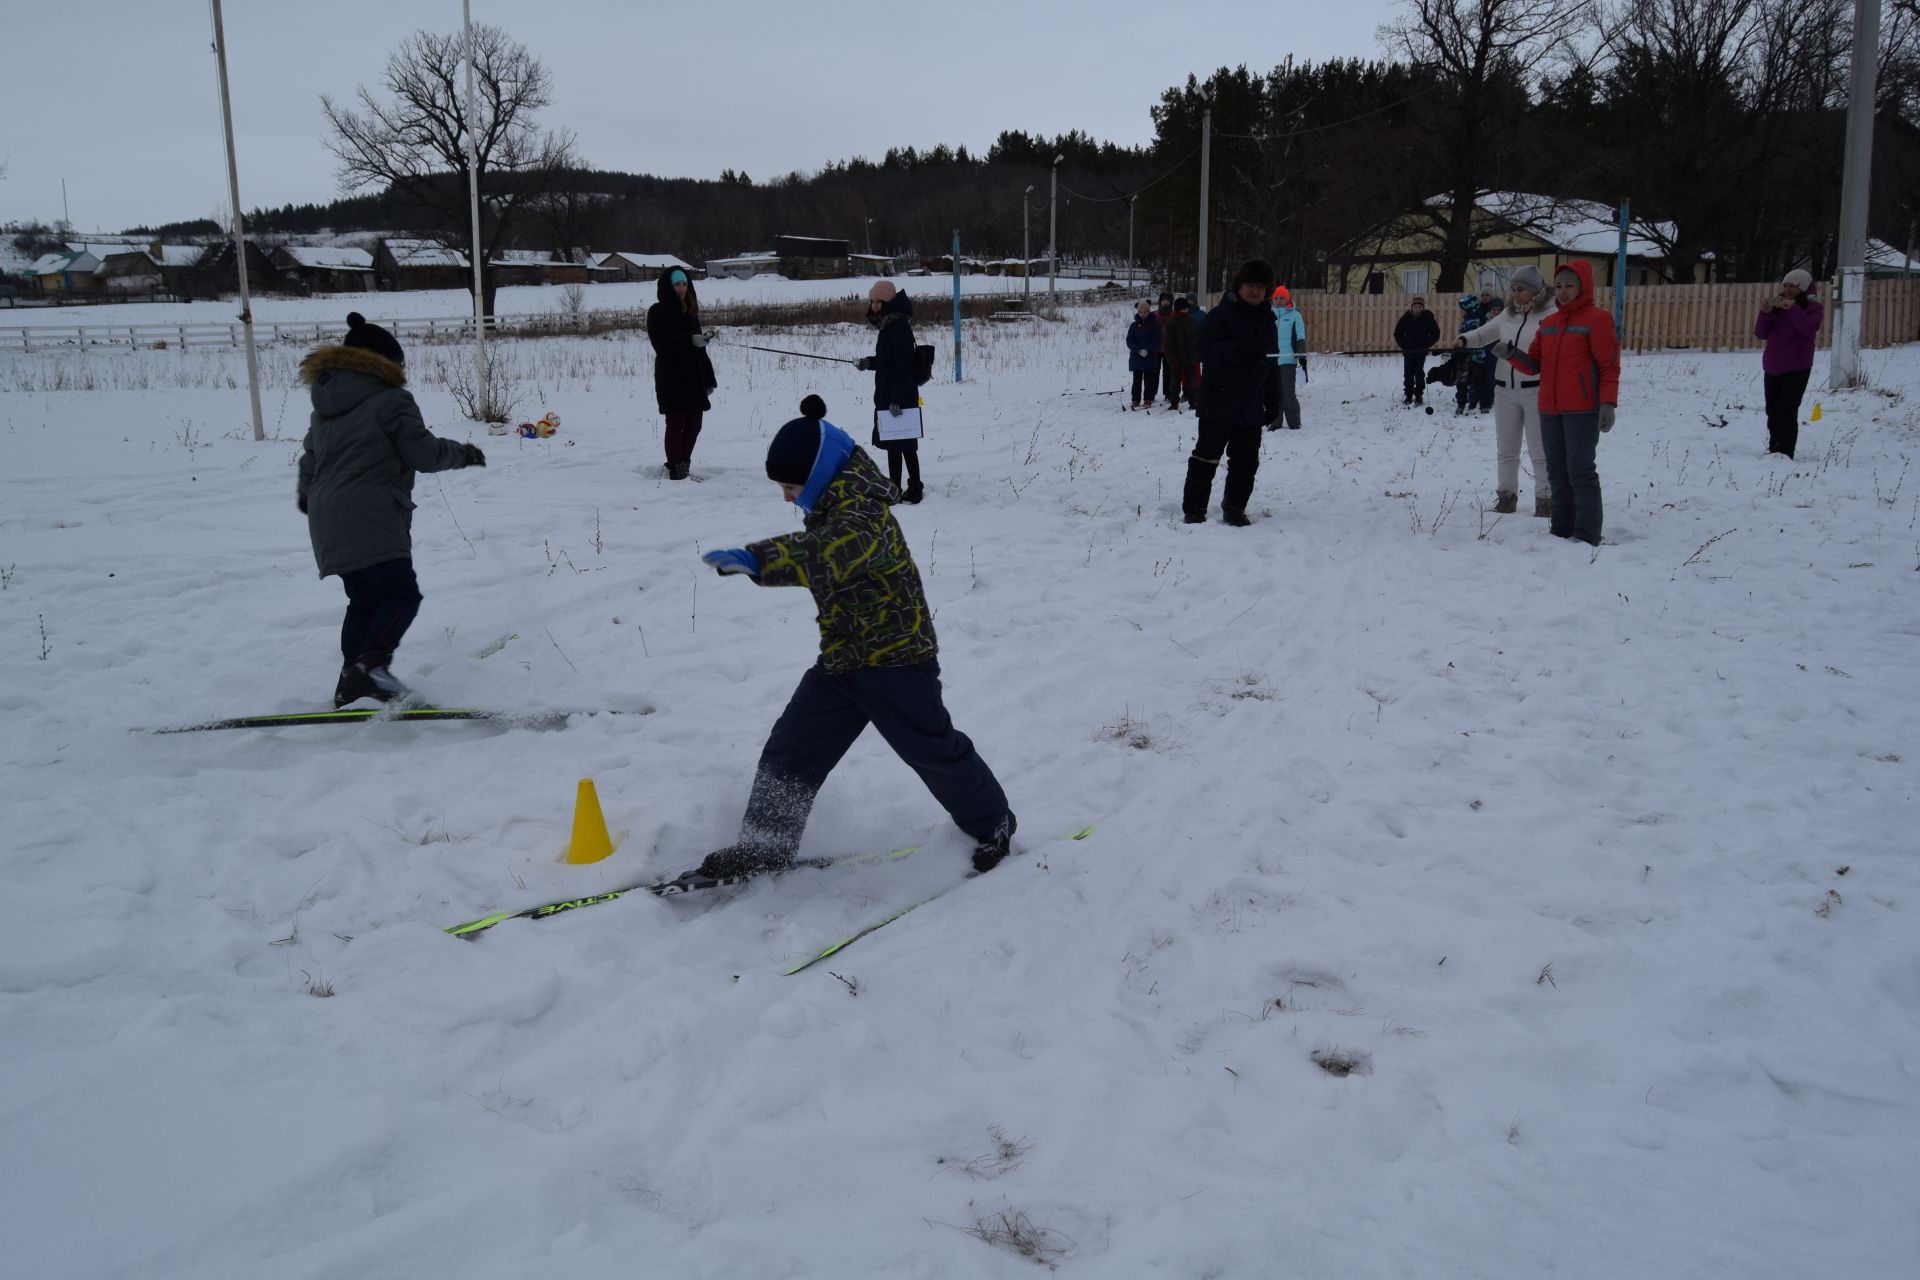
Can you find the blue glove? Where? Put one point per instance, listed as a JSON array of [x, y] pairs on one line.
[[733, 561]]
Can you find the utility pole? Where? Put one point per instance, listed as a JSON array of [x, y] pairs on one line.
[[1130, 200], [239, 232], [1053, 231], [956, 305], [1026, 246], [482, 387], [869, 237], [66, 214], [1844, 360], [1206, 172]]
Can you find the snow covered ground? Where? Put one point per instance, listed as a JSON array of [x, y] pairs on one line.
[[514, 300], [1596, 870]]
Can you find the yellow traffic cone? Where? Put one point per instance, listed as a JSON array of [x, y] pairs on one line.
[[590, 839], [1816, 411]]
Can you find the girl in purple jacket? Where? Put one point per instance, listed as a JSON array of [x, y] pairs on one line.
[[1787, 324]]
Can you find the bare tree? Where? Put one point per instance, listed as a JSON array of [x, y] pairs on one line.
[[1490, 51], [414, 141]]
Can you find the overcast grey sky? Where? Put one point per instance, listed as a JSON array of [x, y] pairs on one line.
[[120, 98]]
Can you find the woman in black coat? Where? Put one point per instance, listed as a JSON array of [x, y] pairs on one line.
[[682, 373], [894, 385]]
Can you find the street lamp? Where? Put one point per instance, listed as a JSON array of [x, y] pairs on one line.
[[869, 237], [1053, 231], [1026, 245]]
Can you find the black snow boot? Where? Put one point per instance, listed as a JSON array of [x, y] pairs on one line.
[[992, 851], [915, 492], [1238, 519]]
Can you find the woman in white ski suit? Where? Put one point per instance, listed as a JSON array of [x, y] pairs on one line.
[[1516, 397]]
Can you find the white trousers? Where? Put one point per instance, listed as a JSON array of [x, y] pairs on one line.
[[1516, 412]]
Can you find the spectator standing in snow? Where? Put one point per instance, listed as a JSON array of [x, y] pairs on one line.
[[682, 371], [1788, 324], [1516, 396], [1576, 355], [1180, 339], [878, 659], [1143, 359], [355, 487], [1293, 348], [1475, 390], [895, 387], [1164, 314], [1238, 351], [1416, 334]]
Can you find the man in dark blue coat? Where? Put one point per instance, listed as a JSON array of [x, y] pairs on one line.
[[1239, 350]]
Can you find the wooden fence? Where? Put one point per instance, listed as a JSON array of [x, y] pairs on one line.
[[1701, 317]]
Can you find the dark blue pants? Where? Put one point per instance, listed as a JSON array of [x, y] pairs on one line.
[[382, 601], [1413, 375], [1571, 440], [826, 714]]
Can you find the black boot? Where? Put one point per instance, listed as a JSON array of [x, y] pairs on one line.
[[914, 492], [1238, 519], [369, 678], [1198, 494], [743, 861], [992, 851]]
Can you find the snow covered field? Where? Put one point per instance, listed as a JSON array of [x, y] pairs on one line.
[[1594, 871], [514, 300]]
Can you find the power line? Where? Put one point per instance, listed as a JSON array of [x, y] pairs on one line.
[[1162, 177], [1333, 124]]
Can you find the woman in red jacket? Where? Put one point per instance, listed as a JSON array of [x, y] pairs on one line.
[[1576, 354]]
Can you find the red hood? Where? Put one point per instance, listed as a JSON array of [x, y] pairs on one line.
[[1584, 269]]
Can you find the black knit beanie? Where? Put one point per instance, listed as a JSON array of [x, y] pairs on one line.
[[795, 446], [373, 338], [1255, 271]]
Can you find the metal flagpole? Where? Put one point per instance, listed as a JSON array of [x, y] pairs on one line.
[[473, 195], [239, 230], [1620, 281], [1849, 312]]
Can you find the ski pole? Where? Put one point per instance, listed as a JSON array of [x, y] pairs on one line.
[[804, 355]]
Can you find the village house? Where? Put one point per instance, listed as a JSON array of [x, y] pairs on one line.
[[1512, 229], [623, 265], [420, 264], [318, 269]]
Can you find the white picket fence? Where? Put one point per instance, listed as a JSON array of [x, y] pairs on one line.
[[51, 337]]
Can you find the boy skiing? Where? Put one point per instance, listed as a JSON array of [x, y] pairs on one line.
[[356, 489], [878, 660]]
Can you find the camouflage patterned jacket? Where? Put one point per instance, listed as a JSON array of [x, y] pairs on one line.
[[854, 559]]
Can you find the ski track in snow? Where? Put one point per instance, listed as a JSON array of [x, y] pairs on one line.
[[1544, 843]]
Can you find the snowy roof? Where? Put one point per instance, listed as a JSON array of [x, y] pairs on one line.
[[763, 256], [1572, 226], [329, 257], [54, 263], [109, 249], [425, 253], [526, 257], [662, 260], [1884, 256], [181, 255]]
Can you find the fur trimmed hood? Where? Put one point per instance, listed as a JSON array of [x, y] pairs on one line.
[[337, 359]]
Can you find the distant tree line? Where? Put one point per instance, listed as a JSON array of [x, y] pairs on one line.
[[1723, 117]]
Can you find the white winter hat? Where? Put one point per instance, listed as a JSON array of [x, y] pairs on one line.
[[1799, 279]]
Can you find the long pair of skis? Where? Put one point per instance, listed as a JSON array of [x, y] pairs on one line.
[[889, 918], [672, 887], [392, 715]]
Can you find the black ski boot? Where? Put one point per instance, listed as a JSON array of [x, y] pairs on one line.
[[743, 861], [369, 678], [994, 849]]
